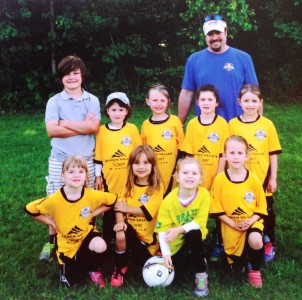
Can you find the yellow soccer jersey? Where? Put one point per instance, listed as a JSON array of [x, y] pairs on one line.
[[206, 143], [113, 148], [239, 201], [263, 141], [144, 226], [71, 217], [165, 138], [172, 214]]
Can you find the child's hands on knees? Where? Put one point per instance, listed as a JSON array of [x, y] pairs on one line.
[[121, 226], [173, 233]]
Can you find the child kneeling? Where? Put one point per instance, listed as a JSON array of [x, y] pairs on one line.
[[70, 212], [182, 221], [239, 202]]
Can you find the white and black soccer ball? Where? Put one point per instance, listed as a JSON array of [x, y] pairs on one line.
[[155, 272]]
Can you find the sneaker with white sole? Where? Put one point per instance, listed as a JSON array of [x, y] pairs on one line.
[[202, 286], [47, 252]]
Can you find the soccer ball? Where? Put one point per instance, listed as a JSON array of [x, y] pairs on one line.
[[155, 272]]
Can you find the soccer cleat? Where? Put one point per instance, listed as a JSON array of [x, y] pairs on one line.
[[255, 279], [47, 252], [117, 277], [217, 253], [98, 279], [269, 250], [202, 287]]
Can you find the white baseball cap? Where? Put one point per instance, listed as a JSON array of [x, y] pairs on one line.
[[118, 95], [218, 25]]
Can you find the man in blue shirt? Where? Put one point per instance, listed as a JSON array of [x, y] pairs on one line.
[[225, 67]]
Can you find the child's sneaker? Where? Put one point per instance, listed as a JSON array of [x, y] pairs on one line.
[[47, 252], [255, 279], [217, 253], [269, 250], [117, 277], [202, 287], [98, 279]]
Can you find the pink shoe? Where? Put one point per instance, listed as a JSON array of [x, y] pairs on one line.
[[117, 278], [255, 279], [97, 278]]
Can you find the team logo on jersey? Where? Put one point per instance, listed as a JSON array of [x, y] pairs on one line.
[[228, 66], [126, 141], [158, 148], [238, 211], [249, 197], [143, 199], [213, 137], [118, 153], [260, 135], [167, 134], [85, 212], [75, 230], [252, 148], [203, 149]]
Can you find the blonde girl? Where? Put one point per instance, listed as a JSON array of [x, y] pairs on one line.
[[70, 212], [264, 147], [238, 201], [163, 132], [182, 224]]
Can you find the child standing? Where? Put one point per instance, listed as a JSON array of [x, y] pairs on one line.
[[238, 201], [72, 117], [136, 211], [204, 139], [114, 143], [163, 132], [206, 134], [69, 211], [182, 221], [264, 148]]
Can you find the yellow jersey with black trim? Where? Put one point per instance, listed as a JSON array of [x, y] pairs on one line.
[[239, 201], [113, 147], [206, 143], [263, 141], [144, 226], [173, 214], [72, 218], [165, 137]]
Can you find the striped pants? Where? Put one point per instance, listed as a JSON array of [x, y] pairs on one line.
[[54, 178]]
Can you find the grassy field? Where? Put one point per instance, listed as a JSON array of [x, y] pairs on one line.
[[24, 153]]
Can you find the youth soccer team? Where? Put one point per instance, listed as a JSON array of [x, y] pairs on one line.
[[154, 189]]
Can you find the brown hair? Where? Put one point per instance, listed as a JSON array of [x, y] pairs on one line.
[[71, 63], [75, 161], [154, 180], [121, 104], [209, 88]]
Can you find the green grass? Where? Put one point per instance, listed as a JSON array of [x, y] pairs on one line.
[[24, 153]]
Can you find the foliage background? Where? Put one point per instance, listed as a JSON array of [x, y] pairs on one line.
[[130, 44]]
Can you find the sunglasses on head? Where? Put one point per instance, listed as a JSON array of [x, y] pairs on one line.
[[213, 17]]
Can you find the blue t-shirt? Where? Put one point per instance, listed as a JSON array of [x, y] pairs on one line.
[[227, 71]]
